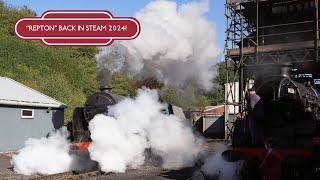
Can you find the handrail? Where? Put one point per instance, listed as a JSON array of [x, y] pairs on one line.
[[286, 24]]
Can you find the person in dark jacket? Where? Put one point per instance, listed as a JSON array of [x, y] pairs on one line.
[[255, 117]]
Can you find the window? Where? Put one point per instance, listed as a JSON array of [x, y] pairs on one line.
[[27, 113]]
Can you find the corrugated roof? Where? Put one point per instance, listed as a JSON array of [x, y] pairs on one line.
[[213, 110], [15, 93]]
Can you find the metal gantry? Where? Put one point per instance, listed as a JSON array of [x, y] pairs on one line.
[[254, 40]]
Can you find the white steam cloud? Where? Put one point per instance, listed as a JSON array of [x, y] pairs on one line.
[[176, 45], [44, 156], [134, 126], [216, 167], [134, 131]]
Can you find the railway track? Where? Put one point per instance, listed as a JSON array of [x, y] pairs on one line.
[[70, 175]]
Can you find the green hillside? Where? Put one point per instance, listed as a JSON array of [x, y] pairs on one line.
[[67, 74]]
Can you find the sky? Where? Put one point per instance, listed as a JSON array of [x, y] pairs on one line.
[[121, 8]]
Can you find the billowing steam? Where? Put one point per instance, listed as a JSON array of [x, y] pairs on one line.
[[216, 167], [176, 45], [133, 127], [134, 130], [44, 156]]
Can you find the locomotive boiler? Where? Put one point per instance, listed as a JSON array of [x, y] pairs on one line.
[[97, 103]]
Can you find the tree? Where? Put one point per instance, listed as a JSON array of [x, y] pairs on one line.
[[170, 95], [123, 85], [149, 82], [220, 80], [67, 74], [203, 101]]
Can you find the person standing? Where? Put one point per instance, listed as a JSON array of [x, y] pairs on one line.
[[255, 117]]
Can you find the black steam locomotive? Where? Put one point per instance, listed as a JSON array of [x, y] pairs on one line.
[[290, 128], [291, 112], [96, 103]]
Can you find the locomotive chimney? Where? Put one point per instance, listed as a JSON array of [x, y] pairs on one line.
[[104, 78], [285, 70]]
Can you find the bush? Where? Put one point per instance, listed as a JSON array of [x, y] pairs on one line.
[[67, 74]]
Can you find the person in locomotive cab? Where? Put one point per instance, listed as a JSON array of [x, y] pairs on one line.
[[255, 115]]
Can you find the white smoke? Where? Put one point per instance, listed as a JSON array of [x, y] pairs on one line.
[[218, 168], [120, 141], [133, 126], [44, 156], [176, 45], [50, 155]]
